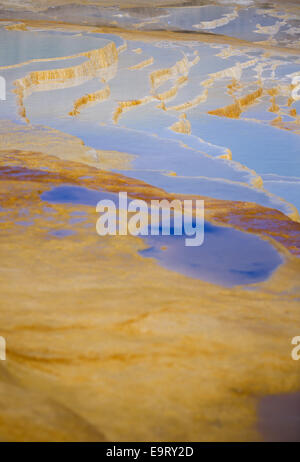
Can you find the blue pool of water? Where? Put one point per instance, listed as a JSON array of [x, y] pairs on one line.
[[227, 257]]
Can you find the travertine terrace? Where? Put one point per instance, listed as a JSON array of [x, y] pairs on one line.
[[198, 100]]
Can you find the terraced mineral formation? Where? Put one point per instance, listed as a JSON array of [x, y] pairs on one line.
[[188, 104], [127, 105], [90, 99], [158, 77], [57, 149], [215, 23], [104, 344], [66, 77]]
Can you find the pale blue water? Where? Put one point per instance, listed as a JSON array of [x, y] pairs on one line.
[[20, 46], [263, 148], [227, 256]]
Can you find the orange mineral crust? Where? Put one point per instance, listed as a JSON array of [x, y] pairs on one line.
[[103, 344]]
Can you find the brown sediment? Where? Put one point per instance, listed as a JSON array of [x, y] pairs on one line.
[[142, 64], [235, 110], [90, 99], [65, 77]]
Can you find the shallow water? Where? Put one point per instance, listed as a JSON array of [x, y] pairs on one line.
[[279, 417], [78, 195], [107, 332], [227, 257]]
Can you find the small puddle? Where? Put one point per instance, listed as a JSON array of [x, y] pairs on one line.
[[227, 257], [279, 418]]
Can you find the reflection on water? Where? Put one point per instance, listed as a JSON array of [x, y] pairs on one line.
[[105, 333], [174, 123], [227, 257]]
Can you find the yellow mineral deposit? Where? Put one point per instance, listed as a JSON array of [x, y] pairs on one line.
[[74, 353], [189, 104], [90, 99], [233, 87], [61, 145], [158, 77], [234, 72], [95, 354], [226, 18], [227, 155], [172, 92], [235, 110], [274, 107], [182, 126], [19, 26], [127, 105]]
